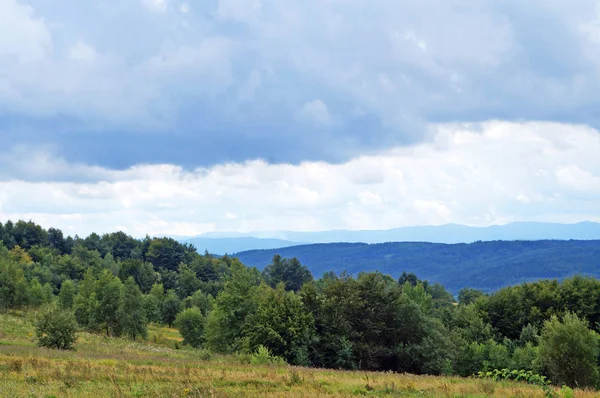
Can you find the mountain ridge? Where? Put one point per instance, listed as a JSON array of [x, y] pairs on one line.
[[483, 265], [232, 242]]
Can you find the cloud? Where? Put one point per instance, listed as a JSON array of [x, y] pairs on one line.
[[230, 78], [239, 10], [315, 111], [156, 5], [23, 34], [82, 52], [476, 174]]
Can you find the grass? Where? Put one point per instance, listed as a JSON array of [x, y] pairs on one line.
[[117, 367]]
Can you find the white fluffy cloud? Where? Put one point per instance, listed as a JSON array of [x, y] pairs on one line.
[[485, 174], [22, 33]]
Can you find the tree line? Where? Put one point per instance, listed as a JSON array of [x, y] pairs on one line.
[[116, 285]]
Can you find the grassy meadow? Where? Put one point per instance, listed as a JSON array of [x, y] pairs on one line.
[[162, 367]]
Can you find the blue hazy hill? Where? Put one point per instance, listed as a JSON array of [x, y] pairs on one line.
[[483, 265], [233, 245], [448, 233]]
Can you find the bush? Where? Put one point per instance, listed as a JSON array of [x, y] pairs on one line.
[[191, 323], [263, 356], [56, 328], [568, 351]]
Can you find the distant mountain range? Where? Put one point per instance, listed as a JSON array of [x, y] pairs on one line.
[[233, 245], [233, 242], [483, 265]]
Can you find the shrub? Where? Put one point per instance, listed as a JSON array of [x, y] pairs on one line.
[[568, 351], [191, 323], [56, 328], [263, 356]]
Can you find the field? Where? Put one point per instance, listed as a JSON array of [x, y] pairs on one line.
[[162, 367]]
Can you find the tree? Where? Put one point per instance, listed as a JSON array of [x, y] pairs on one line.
[[167, 253], [57, 241], [281, 324], [35, 293], [108, 294], [226, 321], [467, 295], [67, 295], [289, 272], [85, 303], [202, 301], [170, 308], [187, 283], [152, 308], [56, 328], [28, 234], [131, 310], [191, 324], [568, 351]]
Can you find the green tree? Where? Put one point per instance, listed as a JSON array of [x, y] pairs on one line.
[[287, 271], [568, 351], [281, 324], [171, 306], [85, 303], [232, 306], [131, 311], [187, 283], [108, 294], [56, 328], [468, 296], [202, 301], [35, 293], [57, 241], [152, 308], [190, 323], [66, 296], [167, 253]]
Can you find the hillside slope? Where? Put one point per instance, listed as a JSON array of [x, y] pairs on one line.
[[482, 265], [115, 367]]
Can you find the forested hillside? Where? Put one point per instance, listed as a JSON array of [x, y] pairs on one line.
[[482, 265], [115, 285]]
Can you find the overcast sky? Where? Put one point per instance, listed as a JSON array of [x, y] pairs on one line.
[[183, 117]]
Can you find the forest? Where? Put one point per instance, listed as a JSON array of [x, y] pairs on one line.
[[488, 266], [115, 285]]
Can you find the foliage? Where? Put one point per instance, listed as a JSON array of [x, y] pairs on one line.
[[171, 306], [232, 306], [569, 351], [263, 356], [487, 266], [131, 310], [287, 271], [56, 328], [116, 284], [67, 293], [190, 323], [519, 375], [279, 323]]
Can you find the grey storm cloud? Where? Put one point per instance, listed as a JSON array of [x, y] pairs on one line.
[[118, 83]]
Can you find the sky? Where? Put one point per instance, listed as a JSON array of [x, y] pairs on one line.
[[184, 117]]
